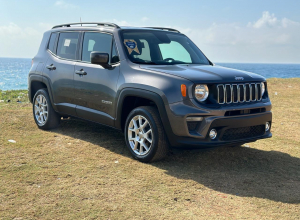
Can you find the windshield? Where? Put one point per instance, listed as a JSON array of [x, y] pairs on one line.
[[161, 48]]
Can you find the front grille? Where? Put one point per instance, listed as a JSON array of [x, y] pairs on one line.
[[238, 93], [241, 133]]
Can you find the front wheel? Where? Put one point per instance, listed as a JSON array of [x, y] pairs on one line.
[[44, 115], [145, 136]]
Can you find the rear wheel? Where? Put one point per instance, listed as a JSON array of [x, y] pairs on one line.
[[44, 115], [145, 136]]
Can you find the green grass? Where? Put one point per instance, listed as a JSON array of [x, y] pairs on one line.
[[71, 172]]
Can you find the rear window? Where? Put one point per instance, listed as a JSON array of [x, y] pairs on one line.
[[67, 45], [51, 45]]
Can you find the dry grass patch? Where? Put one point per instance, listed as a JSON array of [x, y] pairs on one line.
[[83, 170]]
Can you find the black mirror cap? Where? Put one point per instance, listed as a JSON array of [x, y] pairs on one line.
[[99, 58]]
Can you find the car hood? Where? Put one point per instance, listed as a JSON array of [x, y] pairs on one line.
[[206, 73]]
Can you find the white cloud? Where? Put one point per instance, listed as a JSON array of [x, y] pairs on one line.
[[118, 22], [267, 20], [20, 41], [145, 19], [65, 5], [268, 39]]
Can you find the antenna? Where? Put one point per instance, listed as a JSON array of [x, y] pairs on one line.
[[80, 21]]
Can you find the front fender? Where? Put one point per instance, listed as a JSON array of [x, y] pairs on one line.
[[155, 97]]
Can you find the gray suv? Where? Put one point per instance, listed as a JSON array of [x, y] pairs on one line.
[[153, 83]]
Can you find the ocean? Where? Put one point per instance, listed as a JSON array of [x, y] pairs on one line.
[[14, 71]]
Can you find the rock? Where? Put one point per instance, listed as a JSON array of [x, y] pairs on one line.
[[1, 100], [116, 161], [276, 93], [12, 141]]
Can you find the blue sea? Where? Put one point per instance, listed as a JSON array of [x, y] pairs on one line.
[[13, 71]]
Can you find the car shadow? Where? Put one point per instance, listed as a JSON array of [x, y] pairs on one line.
[[239, 171]]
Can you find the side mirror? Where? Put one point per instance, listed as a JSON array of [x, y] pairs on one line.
[[100, 59]]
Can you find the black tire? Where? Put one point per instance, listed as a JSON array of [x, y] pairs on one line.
[[160, 146], [53, 119]]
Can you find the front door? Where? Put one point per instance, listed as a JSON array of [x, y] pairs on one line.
[[95, 86]]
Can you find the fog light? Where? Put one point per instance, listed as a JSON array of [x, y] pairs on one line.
[[194, 118], [267, 126], [213, 134]]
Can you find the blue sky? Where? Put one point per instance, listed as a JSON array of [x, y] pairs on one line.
[[226, 31]]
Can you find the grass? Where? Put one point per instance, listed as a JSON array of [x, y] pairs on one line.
[[82, 170]]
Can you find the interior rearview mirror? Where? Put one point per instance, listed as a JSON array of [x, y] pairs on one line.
[[100, 59]]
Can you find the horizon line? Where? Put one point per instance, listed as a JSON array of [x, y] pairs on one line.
[[229, 62]]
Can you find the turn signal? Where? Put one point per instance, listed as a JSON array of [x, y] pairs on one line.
[[183, 90]]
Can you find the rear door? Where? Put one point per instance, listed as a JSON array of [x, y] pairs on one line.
[[95, 91], [59, 70]]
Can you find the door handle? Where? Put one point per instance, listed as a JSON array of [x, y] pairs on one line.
[[51, 67], [80, 72]]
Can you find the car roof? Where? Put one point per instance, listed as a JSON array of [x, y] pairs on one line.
[[110, 27]]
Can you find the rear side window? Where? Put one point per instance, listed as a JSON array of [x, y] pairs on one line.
[[67, 45], [95, 42], [51, 45]]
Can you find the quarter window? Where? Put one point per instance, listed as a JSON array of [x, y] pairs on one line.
[[114, 54], [67, 45], [51, 44], [95, 42]]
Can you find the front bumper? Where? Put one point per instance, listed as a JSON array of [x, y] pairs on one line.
[[232, 130]]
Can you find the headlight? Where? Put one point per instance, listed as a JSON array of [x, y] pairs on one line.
[[201, 92], [263, 89]]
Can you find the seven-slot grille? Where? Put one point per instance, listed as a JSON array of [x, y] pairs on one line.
[[237, 93]]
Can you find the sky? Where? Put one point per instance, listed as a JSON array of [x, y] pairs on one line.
[[236, 31]]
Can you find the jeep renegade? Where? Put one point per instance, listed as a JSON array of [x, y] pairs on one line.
[[154, 84]]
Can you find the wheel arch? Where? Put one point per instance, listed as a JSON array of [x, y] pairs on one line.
[[155, 98], [36, 82]]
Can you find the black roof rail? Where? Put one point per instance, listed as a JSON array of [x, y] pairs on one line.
[[81, 23], [163, 28]]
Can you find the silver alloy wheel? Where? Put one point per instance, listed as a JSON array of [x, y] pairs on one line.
[[140, 135], [41, 109]]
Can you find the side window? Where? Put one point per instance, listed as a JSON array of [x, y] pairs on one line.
[[93, 41], [67, 45], [114, 54], [145, 53], [51, 44], [176, 51]]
